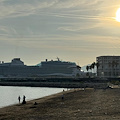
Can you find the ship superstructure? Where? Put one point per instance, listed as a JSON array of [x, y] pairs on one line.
[[58, 68]]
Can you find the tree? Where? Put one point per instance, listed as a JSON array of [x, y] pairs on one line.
[[93, 65], [87, 68], [78, 67]]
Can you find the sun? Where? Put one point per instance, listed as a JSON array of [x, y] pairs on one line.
[[118, 15]]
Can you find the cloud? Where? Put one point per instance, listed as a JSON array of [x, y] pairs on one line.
[[21, 8], [15, 8], [66, 25], [4, 29], [75, 4]]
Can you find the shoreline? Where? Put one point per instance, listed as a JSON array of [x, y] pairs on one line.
[[41, 99], [85, 104], [9, 94]]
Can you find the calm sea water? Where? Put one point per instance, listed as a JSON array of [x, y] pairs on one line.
[[9, 95]]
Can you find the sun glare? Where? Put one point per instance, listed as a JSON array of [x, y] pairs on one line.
[[118, 15]]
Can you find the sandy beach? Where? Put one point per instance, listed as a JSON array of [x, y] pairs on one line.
[[78, 104]]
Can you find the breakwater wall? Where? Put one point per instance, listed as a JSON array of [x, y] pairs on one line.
[[56, 84]]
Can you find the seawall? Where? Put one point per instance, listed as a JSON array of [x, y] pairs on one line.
[[56, 84]]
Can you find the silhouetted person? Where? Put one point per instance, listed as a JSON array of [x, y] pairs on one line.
[[24, 102], [35, 103], [19, 98]]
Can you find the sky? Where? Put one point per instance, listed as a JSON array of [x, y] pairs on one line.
[[73, 30]]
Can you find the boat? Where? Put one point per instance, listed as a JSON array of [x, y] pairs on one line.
[[48, 68]]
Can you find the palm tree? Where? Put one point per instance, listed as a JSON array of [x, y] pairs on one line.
[[87, 67], [93, 66], [97, 66], [90, 67], [78, 67]]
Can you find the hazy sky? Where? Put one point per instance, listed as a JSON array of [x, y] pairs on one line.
[[73, 30]]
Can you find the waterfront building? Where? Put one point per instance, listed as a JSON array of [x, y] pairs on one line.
[[108, 66], [58, 68]]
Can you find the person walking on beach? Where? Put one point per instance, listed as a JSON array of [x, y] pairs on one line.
[[24, 102], [19, 99]]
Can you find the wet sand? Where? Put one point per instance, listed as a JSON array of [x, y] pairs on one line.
[[88, 104]]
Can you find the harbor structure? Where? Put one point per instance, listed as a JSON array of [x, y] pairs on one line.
[[108, 66]]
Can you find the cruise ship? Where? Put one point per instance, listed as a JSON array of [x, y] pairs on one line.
[[17, 68]]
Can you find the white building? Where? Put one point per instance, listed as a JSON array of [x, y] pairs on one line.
[[108, 66]]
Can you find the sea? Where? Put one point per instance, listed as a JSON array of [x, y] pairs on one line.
[[9, 94]]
